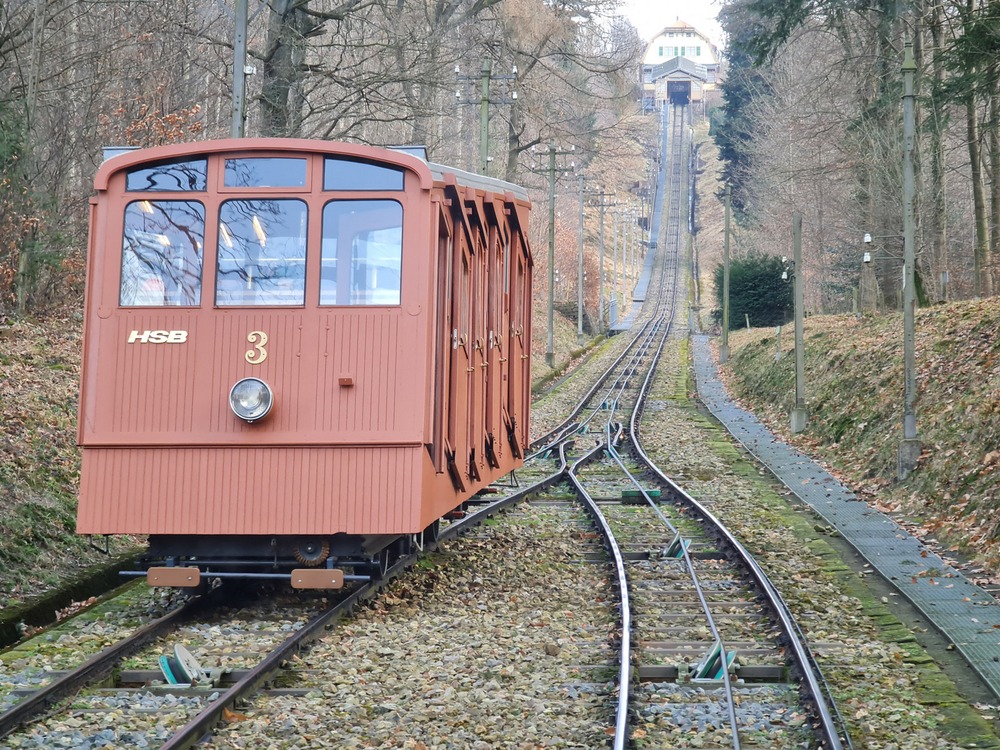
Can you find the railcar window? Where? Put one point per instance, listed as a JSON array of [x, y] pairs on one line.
[[265, 172], [169, 177], [261, 252], [362, 253], [348, 174], [161, 253]]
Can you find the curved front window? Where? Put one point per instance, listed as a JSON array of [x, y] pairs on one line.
[[162, 254], [362, 253], [261, 252]]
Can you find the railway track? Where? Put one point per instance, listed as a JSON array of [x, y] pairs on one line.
[[707, 621], [691, 601]]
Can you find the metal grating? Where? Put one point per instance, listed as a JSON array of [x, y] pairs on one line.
[[964, 612]]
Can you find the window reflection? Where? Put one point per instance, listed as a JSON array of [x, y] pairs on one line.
[[265, 172], [190, 175], [261, 252], [161, 253], [362, 253], [348, 174]]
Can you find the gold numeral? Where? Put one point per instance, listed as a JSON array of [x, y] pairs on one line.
[[258, 354]]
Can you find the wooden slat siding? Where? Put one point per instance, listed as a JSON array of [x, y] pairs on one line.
[[364, 346], [177, 394], [246, 490]]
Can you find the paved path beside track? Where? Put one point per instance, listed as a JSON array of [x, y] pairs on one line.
[[964, 612]]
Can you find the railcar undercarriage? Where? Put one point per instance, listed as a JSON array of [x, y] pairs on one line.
[[314, 562]]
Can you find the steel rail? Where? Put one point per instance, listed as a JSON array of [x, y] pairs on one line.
[[101, 664], [803, 657], [550, 439], [636, 347], [689, 563], [624, 670], [190, 734]]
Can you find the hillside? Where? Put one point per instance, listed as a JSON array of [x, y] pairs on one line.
[[854, 394], [39, 462]]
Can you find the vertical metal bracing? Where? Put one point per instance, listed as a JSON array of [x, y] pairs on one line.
[[239, 69]]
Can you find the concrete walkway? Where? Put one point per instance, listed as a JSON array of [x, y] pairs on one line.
[[964, 612]]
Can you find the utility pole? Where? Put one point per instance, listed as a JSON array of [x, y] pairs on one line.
[[239, 69], [600, 277], [484, 102], [799, 414], [909, 447], [614, 275], [550, 356], [579, 277], [724, 346], [484, 117]]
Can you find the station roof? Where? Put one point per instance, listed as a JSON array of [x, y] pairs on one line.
[[680, 65]]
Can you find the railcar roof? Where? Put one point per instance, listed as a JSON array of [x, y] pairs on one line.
[[478, 181], [401, 158]]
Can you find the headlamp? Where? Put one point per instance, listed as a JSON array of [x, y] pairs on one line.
[[251, 399]]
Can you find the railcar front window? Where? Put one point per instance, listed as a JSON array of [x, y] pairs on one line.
[[261, 253], [265, 172], [349, 174], [169, 177], [362, 253], [162, 253]]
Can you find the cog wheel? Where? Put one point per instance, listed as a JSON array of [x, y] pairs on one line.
[[312, 553]]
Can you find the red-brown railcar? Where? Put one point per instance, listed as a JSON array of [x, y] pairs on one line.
[[298, 355]]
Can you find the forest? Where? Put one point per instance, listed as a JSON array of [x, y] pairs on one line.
[[811, 121], [82, 74]]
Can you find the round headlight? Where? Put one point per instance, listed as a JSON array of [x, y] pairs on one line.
[[251, 399]]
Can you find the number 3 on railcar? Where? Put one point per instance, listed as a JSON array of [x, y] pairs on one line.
[[298, 355]]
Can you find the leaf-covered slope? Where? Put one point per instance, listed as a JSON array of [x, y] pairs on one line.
[[854, 394], [39, 461]]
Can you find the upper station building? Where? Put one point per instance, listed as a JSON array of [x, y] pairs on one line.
[[680, 65]]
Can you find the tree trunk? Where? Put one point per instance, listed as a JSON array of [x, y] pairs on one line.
[[280, 96], [981, 285], [939, 196], [994, 128]]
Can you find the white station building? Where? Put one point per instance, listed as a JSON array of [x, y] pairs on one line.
[[680, 65]]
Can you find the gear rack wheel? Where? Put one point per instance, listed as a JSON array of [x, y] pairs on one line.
[[313, 553]]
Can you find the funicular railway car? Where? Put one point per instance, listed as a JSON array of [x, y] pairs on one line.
[[298, 355]]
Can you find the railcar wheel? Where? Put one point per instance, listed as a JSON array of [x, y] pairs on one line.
[[312, 553]]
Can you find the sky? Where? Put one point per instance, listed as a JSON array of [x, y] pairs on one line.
[[651, 16]]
